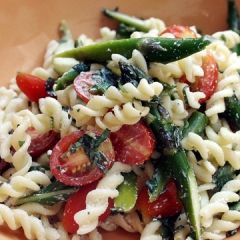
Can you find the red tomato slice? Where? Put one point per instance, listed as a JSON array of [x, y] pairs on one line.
[[180, 31], [33, 87], [133, 144], [77, 202], [167, 204], [82, 84], [75, 169], [40, 143], [208, 83]]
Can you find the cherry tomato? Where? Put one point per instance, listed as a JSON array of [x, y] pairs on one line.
[[75, 169], [208, 82], [167, 204], [40, 143], [82, 84], [33, 87], [77, 202], [133, 144], [180, 31]]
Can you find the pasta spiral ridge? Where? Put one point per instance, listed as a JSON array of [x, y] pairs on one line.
[[206, 148], [189, 66], [129, 113], [33, 227], [182, 228], [217, 226], [229, 37], [203, 169], [229, 82], [150, 231], [97, 200], [19, 186], [229, 143], [59, 120]]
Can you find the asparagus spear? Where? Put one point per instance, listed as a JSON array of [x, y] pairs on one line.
[[196, 123], [156, 49], [68, 77], [134, 22], [176, 163]]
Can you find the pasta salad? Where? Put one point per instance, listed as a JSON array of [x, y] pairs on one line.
[[139, 129]]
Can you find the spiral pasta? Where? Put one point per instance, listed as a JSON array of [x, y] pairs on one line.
[[97, 200], [67, 97], [191, 97], [217, 225], [203, 169], [182, 228], [149, 232], [129, 113], [229, 80], [33, 227], [228, 142], [189, 66], [206, 148], [176, 109], [229, 37], [59, 119], [19, 186]]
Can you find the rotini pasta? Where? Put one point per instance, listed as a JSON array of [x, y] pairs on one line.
[[149, 232], [97, 200]]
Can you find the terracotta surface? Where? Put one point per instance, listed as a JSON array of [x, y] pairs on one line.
[[26, 26]]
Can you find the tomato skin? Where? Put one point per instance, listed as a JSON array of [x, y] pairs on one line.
[[207, 83], [133, 144], [82, 84], [77, 202], [33, 87], [77, 179], [40, 143], [167, 204], [180, 31]]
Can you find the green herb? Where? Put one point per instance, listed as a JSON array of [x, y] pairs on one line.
[[49, 87], [49, 195], [156, 185], [234, 206], [20, 143], [39, 168], [222, 176], [90, 145], [103, 79]]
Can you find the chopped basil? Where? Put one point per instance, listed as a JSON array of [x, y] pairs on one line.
[[53, 193], [103, 79], [90, 145]]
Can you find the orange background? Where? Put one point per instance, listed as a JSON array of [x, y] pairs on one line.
[[26, 26]]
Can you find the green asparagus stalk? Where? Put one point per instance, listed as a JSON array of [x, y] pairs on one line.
[[156, 49], [176, 163]]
